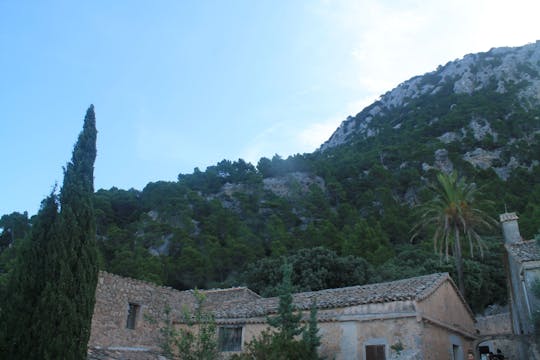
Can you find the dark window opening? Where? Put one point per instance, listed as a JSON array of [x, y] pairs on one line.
[[456, 349], [483, 349], [230, 338], [133, 312], [375, 352]]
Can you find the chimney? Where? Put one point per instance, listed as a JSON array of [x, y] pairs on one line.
[[510, 227]]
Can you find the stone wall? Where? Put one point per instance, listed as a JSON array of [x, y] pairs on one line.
[[122, 354], [494, 324], [440, 343], [113, 296], [448, 324], [345, 338], [496, 333], [110, 336], [445, 306], [346, 331], [521, 322]]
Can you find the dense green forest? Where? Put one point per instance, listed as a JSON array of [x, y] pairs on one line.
[[342, 215], [190, 234]]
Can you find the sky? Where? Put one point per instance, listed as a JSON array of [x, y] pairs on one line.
[[184, 84]]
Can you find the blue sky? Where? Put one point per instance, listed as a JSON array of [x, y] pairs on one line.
[[184, 84]]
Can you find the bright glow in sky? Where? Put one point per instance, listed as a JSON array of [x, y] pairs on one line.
[[184, 84]]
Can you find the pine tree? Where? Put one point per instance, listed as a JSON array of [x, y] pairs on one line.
[[286, 321], [282, 342], [53, 288], [310, 334]]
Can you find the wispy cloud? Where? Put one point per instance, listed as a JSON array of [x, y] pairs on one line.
[[315, 134], [264, 144], [379, 44], [387, 42], [311, 137], [291, 139], [391, 41]]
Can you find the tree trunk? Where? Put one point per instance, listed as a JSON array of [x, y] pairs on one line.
[[459, 263]]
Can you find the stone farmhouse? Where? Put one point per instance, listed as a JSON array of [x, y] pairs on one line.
[[418, 318], [423, 317]]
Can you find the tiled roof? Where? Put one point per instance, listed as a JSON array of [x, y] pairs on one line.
[[417, 288], [217, 298], [236, 292], [508, 217], [525, 250]]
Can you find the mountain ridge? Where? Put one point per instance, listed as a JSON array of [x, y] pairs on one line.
[[503, 63], [497, 75]]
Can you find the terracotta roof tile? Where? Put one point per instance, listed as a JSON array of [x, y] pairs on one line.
[[416, 288], [508, 217], [525, 250]]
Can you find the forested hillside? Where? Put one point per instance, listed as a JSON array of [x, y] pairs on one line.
[[353, 200]]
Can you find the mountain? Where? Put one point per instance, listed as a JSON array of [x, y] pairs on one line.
[[482, 108], [353, 199]]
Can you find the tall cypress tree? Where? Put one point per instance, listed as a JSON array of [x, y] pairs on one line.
[[286, 321], [25, 283], [52, 291]]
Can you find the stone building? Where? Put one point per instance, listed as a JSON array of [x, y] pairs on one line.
[[523, 272], [129, 313], [512, 332], [418, 318]]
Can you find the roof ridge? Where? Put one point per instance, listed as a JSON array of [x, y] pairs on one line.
[[234, 288], [409, 289], [378, 284], [433, 287], [453, 284]]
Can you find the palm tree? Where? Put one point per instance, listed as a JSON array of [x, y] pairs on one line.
[[453, 216]]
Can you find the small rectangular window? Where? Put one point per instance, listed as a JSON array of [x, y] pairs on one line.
[[456, 352], [133, 313], [375, 352], [230, 338], [483, 350]]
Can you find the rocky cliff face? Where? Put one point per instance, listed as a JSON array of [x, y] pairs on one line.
[[511, 72], [504, 66]]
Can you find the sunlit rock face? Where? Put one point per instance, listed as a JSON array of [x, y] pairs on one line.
[[460, 103]]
